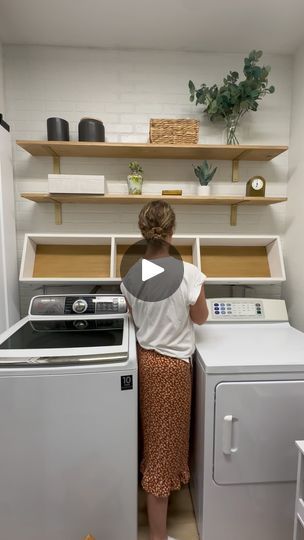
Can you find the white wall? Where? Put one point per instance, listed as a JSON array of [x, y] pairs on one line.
[[125, 89], [294, 240], [1, 81]]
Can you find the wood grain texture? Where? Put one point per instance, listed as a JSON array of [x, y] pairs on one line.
[[184, 251], [150, 151], [72, 261], [235, 261], [142, 199]]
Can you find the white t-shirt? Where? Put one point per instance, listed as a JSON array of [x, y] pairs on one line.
[[165, 326]]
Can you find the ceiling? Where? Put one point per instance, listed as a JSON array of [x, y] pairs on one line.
[[184, 25]]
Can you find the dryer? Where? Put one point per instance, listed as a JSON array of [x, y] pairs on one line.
[[248, 411], [68, 421]]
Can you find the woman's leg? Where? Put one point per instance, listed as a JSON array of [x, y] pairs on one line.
[[157, 516]]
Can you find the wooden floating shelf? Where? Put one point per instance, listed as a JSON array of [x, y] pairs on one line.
[[142, 199], [233, 202], [152, 151]]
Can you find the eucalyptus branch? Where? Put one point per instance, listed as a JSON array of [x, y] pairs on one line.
[[235, 97]]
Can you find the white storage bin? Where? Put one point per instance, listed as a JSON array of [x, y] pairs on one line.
[[76, 183]]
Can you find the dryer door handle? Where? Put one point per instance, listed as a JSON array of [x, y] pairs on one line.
[[228, 425]]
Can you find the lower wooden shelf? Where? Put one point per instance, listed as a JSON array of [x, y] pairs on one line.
[[233, 202]]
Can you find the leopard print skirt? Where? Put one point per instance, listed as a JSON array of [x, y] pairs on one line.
[[165, 405]]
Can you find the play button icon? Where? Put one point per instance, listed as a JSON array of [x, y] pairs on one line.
[[151, 278], [150, 270]]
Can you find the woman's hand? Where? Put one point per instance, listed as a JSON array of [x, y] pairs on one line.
[[199, 311]]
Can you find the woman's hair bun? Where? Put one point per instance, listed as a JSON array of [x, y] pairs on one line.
[[155, 233], [156, 221]]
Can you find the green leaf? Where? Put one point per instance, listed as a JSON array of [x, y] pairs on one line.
[[191, 87], [234, 95]]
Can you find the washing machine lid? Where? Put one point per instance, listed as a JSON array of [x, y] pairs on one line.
[[71, 339], [250, 348]]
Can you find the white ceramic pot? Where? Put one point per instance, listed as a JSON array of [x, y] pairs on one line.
[[203, 191]]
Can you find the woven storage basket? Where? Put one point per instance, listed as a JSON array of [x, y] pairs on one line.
[[167, 131]]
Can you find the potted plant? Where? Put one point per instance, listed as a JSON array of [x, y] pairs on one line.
[[204, 173], [135, 179], [234, 98]]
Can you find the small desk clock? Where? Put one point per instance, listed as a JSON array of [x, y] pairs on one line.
[[255, 187]]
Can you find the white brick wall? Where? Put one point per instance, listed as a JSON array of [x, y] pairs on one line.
[[125, 89]]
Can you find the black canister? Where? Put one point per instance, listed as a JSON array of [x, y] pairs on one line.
[[92, 130], [57, 129]]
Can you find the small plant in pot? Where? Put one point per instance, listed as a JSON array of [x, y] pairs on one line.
[[204, 173], [135, 178]]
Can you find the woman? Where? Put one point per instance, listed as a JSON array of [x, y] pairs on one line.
[[165, 336]]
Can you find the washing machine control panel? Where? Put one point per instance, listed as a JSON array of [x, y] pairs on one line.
[[237, 309], [89, 304]]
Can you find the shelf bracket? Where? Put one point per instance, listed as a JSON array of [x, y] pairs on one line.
[[56, 164], [58, 213], [233, 214], [235, 170]]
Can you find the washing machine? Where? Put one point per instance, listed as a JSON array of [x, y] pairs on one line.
[[68, 421], [248, 412]]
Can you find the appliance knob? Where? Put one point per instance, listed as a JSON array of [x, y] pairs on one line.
[[80, 306], [80, 325]]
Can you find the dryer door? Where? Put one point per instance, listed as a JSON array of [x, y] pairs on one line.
[[256, 424]]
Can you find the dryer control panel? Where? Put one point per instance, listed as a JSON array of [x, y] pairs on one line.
[[88, 304], [246, 309], [237, 309]]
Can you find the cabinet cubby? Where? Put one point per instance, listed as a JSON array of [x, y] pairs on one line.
[[93, 259]]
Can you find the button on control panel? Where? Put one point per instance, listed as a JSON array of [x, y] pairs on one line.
[[237, 309]]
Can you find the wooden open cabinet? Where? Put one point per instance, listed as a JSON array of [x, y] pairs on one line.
[[92, 259]]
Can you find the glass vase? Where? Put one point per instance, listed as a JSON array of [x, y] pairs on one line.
[[135, 182], [230, 129]]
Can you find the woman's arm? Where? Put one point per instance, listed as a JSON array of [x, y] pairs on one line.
[[199, 311], [128, 306]]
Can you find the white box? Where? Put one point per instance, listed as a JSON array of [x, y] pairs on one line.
[[76, 183]]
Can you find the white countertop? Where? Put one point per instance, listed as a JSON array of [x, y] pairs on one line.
[[250, 347]]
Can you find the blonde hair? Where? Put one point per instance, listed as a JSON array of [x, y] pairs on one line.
[[156, 221]]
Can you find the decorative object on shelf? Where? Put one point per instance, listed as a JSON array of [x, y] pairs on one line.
[[91, 130], [135, 179], [76, 183], [57, 129], [204, 174], [168, 131], [256, 186], [235, 98], [172, 192]]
